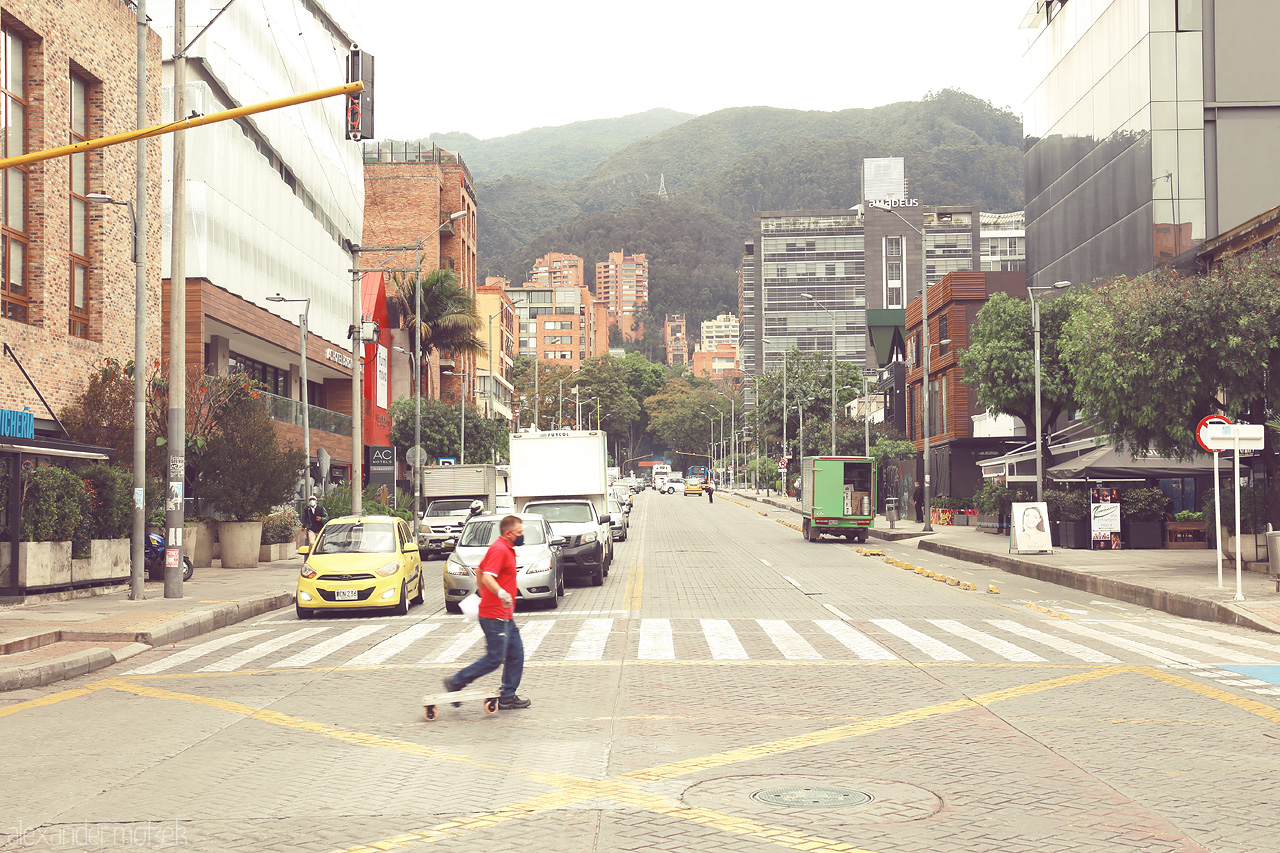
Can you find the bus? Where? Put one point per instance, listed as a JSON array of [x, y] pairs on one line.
[[698, 471]]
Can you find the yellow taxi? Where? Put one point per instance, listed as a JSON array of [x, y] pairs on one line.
[[357, 562], [692, 486]]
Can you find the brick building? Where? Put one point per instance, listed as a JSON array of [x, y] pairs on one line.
[[411, 190], [556, 269], [622, 282], [560, 325], [720, 364], [67, 283]]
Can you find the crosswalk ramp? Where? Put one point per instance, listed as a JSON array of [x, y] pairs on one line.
[[352, 643]]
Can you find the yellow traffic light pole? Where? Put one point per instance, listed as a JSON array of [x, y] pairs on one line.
[[181, 124]]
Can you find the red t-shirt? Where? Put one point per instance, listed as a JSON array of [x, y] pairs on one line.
[[499, 561]]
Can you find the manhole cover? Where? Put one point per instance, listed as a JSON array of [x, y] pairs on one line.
[[812, 796]]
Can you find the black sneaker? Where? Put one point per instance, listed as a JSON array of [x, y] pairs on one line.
[[451, 686], [510, 703]]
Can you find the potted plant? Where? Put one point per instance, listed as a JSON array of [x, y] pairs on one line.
[[994, 502], [1253, 539], [278, 536], [1069, 518], [941, 510], [247, 475], [107, 521], [52, 499], [1142, 516]]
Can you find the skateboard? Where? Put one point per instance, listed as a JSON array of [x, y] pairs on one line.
[[457, 698]]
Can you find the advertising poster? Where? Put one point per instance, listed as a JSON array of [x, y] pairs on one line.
[[1031, 527], [1104, 523]]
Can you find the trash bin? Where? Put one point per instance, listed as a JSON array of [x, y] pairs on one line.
[[1273, 552]]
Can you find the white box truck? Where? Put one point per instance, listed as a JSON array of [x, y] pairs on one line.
[[563, 476], [447, 493]]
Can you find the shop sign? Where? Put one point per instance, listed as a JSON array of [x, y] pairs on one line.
[[339, 357], [14, 424]]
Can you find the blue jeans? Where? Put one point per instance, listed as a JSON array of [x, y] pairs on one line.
[[512, 665]]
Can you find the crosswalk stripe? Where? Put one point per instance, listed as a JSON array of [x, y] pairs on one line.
[[788, 640], [460, 644], [854, 640], [655, 640], [1001, 647], [306, 657], [1061, 644], [1223, 652], [261, 650], [722, 640], [188, 655], [935, 649], [393, 645], [1161, 655], [533, 633], [1223, 636], [591, 639]]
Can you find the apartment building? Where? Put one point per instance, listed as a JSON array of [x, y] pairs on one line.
[[556, 269], [675, 339], [724, 329], [493, 368], [622, 282]]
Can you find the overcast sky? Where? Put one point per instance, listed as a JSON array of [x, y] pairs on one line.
[[496, 67]]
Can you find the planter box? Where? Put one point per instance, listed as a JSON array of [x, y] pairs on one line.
[[1075, 534], [272, 553], [197, 543], [1185, 535], [1145, 534], [109, 559], [1254, 546], [996, 524], [241, 541], [960, 519], [39, 564]]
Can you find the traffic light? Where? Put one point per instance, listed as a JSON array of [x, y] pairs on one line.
[[359, 106]]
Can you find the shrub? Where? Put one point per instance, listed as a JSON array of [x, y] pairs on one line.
[[1188, 515], [280, 527], [247, 472], [51, 505], [1067, 506], [994, 498], [1253, 515], [111, 500], [1144, 504]]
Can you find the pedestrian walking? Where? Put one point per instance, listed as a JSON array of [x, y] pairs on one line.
[[917, 497], [313, 519], [503, 646], [710, 489]]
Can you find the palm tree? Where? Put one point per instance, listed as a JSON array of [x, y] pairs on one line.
[[450, 321]]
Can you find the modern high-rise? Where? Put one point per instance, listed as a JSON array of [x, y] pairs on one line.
[[556, 269], [557, 324], [623, 283], [1150, 126], [724, 329]]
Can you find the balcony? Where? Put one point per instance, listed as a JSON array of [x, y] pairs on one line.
[[288, 411]]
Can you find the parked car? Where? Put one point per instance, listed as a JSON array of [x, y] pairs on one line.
[[623, 496], [672, 485], [618, 521], [539, 561], [360, 562], [693, 487]]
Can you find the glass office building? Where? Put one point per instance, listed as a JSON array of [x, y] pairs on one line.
[[1147, 130]]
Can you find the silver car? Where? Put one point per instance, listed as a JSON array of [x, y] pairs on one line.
[[619, 521], [622, 495], [540, 572]]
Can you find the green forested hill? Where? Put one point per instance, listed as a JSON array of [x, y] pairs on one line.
[[722, 168], [555, 155]]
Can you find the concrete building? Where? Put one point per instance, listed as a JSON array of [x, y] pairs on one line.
[[411, 190], [493, 369], [675, 340], [67, 277], [622, 282], [556, 269], [724, 329], [274, 205], [747, 308], [556, 324], [1150, 126], [720, 364]]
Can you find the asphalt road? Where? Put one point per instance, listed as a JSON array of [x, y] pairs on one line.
[[730, 687]]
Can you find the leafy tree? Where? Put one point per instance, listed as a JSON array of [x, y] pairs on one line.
[[450, 320], [1151, 356], [607, 378], [110, 489], [679, 416], [1000, 360], [442, 431], [247, 473], [102, 414]]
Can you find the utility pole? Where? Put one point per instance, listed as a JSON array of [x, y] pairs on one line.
[[357, 391], [137, 549], [175, 510]]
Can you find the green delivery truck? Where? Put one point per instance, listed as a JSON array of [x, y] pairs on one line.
[[837, 496]]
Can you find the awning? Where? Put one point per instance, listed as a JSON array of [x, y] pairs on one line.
[[60, 447], [1109, 463]]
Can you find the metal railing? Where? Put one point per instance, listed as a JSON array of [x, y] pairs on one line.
[[288, 411]]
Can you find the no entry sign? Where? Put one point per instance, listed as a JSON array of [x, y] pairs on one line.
[[1203, 428]]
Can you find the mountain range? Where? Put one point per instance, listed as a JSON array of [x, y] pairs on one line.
[[563, 189]]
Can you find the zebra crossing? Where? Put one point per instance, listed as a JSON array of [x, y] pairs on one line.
[[585, 638]]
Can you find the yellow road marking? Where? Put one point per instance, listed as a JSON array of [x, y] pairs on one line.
[[633, 596], [1042, 609], [1252, 706], [51, 699]]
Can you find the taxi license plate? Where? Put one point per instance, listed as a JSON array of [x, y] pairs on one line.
[[345, 595]]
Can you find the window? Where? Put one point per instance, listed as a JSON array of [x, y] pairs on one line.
[[78, 323], [14, 295], [893, 247], [942, 335]]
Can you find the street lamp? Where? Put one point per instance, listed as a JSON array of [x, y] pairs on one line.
[[302, 347], [785, 451], [136, 547], [811, 298], [1035, 327], [924, 322]]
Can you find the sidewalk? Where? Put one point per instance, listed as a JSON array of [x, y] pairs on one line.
[[1183, 583], [49, 641]]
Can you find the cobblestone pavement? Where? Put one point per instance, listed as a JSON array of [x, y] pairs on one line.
[[730, 687]]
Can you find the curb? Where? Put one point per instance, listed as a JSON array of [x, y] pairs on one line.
[[874, 532], [1175, 603], [174, 630]]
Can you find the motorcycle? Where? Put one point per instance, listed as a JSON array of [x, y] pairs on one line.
[[153, 559]]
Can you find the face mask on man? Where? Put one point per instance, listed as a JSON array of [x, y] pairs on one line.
[[519, 541]]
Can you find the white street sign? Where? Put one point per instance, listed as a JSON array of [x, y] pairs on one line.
[[1234, 436]]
